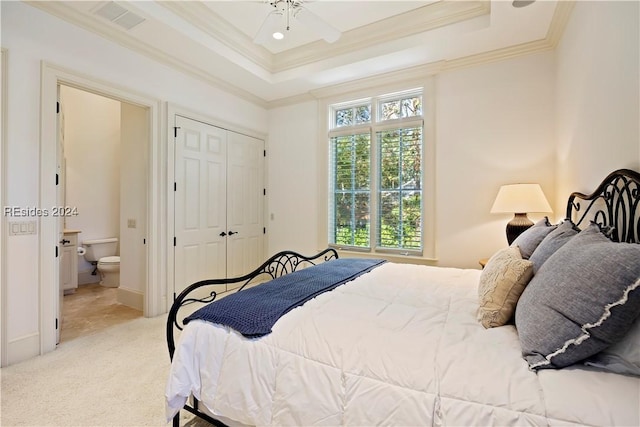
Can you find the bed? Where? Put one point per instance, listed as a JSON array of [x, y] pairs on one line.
[[548, 333]]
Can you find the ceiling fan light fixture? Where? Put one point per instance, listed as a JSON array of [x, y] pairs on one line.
[[317, 25], [278, 22], [269, 27]]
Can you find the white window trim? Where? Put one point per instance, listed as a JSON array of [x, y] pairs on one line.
[[428, 168]]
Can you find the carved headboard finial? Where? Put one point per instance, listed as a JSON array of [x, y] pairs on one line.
[[615, 204]]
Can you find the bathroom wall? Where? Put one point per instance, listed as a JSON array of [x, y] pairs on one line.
[[92, 151]]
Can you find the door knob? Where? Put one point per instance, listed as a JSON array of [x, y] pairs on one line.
[[65, 241], [231, 233], [223, 234]]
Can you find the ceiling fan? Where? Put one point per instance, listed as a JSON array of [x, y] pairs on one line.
[[277, 23]]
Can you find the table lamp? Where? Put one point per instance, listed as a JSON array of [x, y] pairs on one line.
[[519, 199]]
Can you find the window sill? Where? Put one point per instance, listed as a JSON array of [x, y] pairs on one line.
[[401, 259]]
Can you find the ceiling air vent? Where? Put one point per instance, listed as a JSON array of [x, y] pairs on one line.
[[119, 15]]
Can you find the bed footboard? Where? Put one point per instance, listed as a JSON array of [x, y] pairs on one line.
[[282, 263]]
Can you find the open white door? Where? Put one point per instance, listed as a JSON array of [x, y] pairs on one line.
[[60, 219]]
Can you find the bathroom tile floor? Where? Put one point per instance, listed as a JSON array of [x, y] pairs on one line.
[[92, 308]]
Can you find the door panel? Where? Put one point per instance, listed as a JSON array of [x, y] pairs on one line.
[[245, 199], [219, 201], [200, 217]]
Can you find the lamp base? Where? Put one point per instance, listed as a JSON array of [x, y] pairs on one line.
[[517, 226]]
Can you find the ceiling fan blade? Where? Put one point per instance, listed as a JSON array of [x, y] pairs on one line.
[[317, 25], [267, 28]]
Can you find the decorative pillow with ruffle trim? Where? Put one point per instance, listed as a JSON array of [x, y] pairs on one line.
[[584, 298]]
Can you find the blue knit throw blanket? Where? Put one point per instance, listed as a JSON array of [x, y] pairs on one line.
[[253, 312]]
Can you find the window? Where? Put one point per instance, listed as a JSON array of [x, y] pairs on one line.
[[376, 174]]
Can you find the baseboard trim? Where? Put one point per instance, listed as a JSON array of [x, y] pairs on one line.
[[23, 348], [131, 298]]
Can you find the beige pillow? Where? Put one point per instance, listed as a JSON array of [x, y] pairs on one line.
[[502, 282]]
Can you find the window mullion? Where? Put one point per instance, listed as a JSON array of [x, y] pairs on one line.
[[400, 182], [373, 197], [353, 192]]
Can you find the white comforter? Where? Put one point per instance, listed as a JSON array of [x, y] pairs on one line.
[[397, 346]]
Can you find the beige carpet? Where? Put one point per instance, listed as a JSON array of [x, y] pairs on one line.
[[115, 377]]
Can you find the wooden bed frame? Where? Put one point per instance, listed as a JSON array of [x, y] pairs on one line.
[[614, 204]]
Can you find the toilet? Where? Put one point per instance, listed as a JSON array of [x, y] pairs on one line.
[[102, 253]]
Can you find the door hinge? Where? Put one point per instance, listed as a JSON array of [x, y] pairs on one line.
[[264, 230], [264, 153], [175, 186], [57, 179], [56, 323], [57, 108], [175, 242], [264, 191], [56, 252], [144, 241], [175, 131]]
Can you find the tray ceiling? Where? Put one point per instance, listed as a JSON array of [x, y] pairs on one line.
[[213, 40]]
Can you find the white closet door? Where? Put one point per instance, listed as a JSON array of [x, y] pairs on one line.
[[245, 201], [200, 202]]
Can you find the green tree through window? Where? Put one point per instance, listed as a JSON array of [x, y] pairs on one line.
[[376, 174]]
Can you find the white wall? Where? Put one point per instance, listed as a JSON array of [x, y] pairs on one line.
[[92, 150], [598, 94], [32, 36], [292, 179], [494, 125], [133, 204]]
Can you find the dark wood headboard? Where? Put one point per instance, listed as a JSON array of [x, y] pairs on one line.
[[615, 203]]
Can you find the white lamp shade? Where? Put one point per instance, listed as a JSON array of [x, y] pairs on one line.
[[520, 198]]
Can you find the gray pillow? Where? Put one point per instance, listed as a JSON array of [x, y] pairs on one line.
[[552, 242], [529, 240], [584, 298], [623, 357]]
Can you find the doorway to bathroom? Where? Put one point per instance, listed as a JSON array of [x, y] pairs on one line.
[[103, 170]]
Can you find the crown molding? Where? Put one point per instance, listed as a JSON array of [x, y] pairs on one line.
[[291, 100], [120, 37], [413, 74], [199, 15], [498, 55], [426, 18], [420, 72], [559, 21]]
